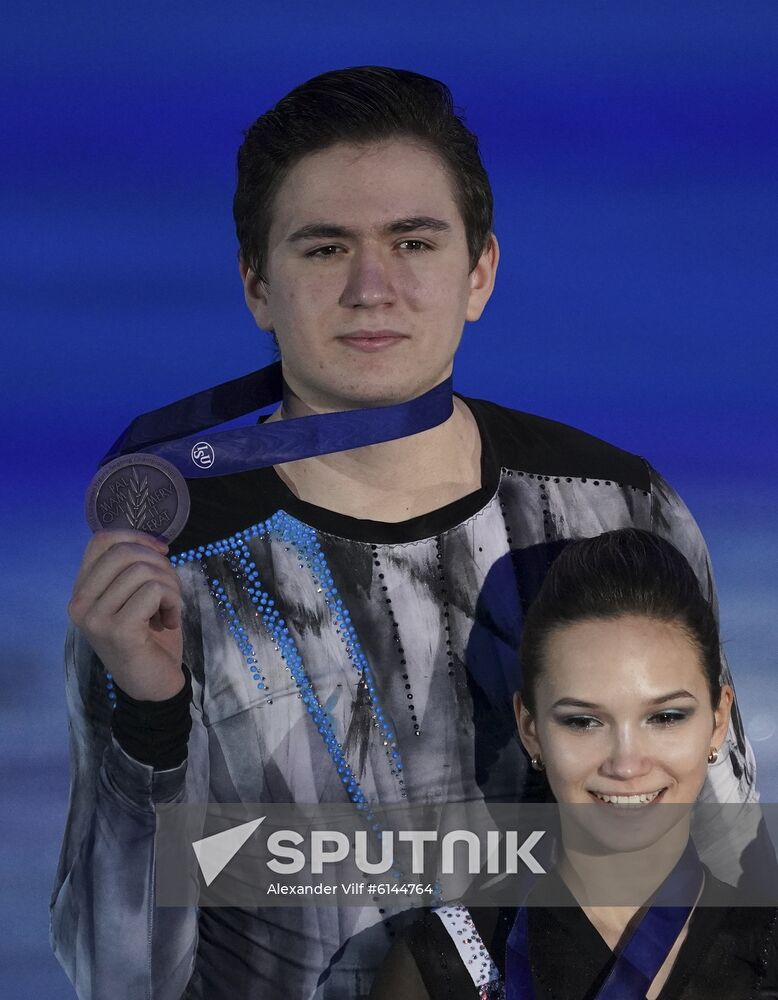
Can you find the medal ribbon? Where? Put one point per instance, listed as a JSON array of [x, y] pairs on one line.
[[174, 432], [645, 951]]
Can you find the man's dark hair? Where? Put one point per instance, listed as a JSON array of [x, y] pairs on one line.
[[622, 572], [358, 105]]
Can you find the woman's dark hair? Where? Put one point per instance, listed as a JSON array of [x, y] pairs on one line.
[[357, 105], [622, 572]]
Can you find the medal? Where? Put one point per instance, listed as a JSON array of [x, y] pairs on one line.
[[138, 491]]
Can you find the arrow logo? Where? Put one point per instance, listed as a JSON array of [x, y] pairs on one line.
[[214, 852]]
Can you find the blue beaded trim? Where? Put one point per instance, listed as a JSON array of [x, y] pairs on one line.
[[239, 633], [110, 689], [305, 542]]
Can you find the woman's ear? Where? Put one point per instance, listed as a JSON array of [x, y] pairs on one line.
[[526, 726], [721, 717]]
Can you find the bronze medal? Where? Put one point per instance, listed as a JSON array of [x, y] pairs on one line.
[[141, 492]]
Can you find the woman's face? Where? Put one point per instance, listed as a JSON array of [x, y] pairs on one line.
[[623, 715]]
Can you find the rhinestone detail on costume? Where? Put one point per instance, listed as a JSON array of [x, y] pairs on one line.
[[303, 539], [398, 642], [445, 604], [473, 952]]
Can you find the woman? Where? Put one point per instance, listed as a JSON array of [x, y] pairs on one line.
[[622, 709]]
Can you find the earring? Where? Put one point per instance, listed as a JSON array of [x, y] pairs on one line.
[[713, 755], [537, 763]]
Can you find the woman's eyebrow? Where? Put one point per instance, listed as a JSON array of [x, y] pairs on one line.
[[681, 693], [574, 703], [658, 700]]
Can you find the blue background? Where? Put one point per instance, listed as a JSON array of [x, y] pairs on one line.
[[632, 149]]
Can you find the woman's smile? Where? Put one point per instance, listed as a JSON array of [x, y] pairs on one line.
[[623, 800]]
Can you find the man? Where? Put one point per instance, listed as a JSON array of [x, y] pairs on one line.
[[385, 584]]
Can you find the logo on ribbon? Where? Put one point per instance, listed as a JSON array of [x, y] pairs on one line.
[[203, 455]]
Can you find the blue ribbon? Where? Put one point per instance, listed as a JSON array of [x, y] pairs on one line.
[[645, 951], [175, 432]]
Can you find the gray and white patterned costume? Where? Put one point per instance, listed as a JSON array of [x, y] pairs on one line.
[[436, 605]]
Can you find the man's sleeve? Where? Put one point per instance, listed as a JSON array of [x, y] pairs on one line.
[[737, 848], [106, 931], [671, 519]]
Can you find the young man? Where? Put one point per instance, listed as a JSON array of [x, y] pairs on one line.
[[386, 583]]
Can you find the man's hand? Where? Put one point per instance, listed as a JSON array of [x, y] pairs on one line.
[[127, 602]]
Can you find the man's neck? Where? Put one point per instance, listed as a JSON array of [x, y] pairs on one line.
[[396, 480]]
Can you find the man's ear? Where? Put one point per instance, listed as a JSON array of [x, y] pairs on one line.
[[255, 294], [482, 279], [526, 726]]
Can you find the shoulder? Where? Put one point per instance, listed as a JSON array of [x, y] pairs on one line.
[[737, 939], [753, 940], [753, 909], [223, 505], [530, 443], [716, 893]]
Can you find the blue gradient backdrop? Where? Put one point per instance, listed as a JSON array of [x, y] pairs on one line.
[[633, 149]]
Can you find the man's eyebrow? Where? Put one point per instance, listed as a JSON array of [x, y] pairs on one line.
[[417, 222], [320, 230], [660, 700], [331, 230]]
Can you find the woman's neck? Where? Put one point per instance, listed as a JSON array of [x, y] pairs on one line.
[[611, 887]]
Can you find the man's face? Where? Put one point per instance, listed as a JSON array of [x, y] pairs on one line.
[[368, 277]]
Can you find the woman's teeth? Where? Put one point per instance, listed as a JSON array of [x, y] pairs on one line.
[[628, 800]]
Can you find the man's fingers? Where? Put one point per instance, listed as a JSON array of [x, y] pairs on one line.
[[108, 568], [170, 612], [100, 612], [147, 601], [126, 593], [156, 623], [168, 616], [102, 541]]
